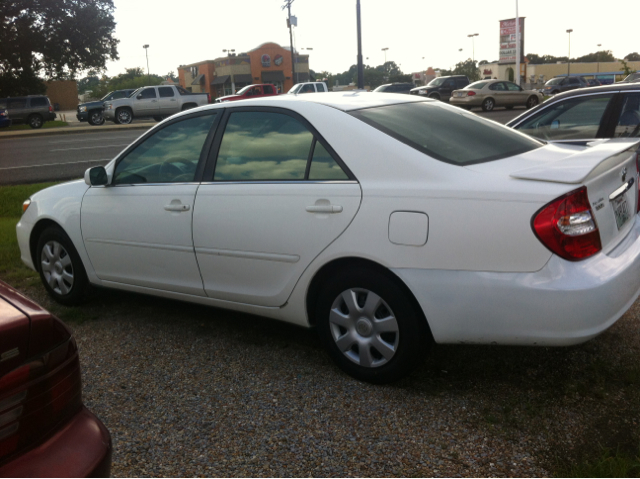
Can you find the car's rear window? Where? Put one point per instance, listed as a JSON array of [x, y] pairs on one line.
[[479, 85], [446, 133]]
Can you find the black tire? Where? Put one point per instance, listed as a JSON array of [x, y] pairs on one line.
[[95, 118], [188, 106], [434, 96], [159, 118], [531, 102], [390, 355], [488, 104], [60, 267], [35, 121], [124, 116]]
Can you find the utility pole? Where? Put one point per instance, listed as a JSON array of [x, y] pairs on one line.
[[569, 57], [287, 5], [518, 53], [146, 52], [360, 64]]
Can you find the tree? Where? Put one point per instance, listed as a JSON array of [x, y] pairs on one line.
[[468, 68], [132, 78], [626, 68], [53, 38], [633, 57], [602, 56]]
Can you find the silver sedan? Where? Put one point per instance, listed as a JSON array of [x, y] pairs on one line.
[[489, 94]]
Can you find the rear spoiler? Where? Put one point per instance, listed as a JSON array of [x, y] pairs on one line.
[[578, 166]]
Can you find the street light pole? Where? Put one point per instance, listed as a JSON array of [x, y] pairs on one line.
[[233, 84], [360, 63], [385, 54], [146, 52], [473, 46], [287, 5], [569, 57], [598, 57], [517, 46]]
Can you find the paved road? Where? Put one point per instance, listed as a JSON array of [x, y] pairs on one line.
[[63, 157]]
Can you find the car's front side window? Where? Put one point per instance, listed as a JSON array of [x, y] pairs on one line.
[[629, 121], [512, 86], [572, 119], [147, 93], [170, 155]]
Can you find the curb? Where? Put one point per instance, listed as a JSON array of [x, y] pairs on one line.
[[73, 129]]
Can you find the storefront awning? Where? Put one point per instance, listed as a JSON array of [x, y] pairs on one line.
[[198, 79], [268, 77], [220, 80]]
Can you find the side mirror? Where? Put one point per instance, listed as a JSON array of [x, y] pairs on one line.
[[139, 97], [96, 176]]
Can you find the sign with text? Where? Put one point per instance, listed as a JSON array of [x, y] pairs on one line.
[[508, 41]]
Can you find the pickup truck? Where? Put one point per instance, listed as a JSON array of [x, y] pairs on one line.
[[308, 87], [250, 91], [92, 111], [158, 102]]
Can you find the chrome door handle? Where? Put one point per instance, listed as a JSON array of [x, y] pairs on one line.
[[177, 207], [328, 209]]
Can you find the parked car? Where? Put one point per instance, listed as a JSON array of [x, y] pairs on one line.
[[441, 88], [34, 110], [250, 91], [489, 94], [91, 112], [4, 118], [593, 82], [337, 212], [158, 102], [634, 77], [562, 84], [308, 87], [395, 88], [45, 431], [610, 111]]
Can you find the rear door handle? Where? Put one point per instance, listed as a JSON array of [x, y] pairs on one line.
[[177, 207], [327, 209]]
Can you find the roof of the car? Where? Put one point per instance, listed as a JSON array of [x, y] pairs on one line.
[[597, 89]]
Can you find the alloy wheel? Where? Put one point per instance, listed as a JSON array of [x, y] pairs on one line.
[[57, 267]]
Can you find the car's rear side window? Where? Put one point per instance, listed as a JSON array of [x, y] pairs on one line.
[[36, 102], [446, 133]]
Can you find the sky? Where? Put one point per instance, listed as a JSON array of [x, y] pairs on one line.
[[418, 33]]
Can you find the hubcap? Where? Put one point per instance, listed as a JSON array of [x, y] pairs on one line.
[[364, 328], [57, 268]]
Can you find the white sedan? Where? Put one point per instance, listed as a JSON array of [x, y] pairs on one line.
[[388, 222]]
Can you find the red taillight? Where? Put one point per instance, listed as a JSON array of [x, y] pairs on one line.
[[208, 97], [50, 109], [471, 93], [37, 397], [567, 227]]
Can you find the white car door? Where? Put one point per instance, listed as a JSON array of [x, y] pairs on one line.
[[278, 197], [137, 230]]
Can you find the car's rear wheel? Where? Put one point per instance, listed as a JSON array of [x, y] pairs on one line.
[[188, 106], [159, 118], [434, 96], [35, 121], [95, 118], [370, 326], [488, 104], [532, 101], [61, 269], [124, 116]]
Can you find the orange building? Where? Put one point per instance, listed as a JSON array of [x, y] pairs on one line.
[[268, 63]]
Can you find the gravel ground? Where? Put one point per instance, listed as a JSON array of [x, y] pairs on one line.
[[194, 391]]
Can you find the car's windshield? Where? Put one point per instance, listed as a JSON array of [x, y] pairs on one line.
[[107, 96], [381, 88], [479, 85], [242, 90], [437, 130], [554, 81], [295, 88], [436, 82], [135, 92], [131, 94]]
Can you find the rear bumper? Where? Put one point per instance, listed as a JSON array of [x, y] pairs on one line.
[[81, 448], [466, 101], [564, 303]]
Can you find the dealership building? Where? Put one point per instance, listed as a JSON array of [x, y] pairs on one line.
[[269, 63]]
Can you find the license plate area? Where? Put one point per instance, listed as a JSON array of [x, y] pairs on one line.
[[621, 210]]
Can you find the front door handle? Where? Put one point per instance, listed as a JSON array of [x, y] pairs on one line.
[[327, 209], [174, 207]]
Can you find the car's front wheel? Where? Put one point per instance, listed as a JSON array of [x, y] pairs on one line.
[[532, 101], [489, 104], [61, 269], [124, 116], [370, 326], [95, 118], [35, 121]]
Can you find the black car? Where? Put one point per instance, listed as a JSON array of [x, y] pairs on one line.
[[562, 84], [92, 111], [395, 88], [441, 88], [34, 110], [609, 111]]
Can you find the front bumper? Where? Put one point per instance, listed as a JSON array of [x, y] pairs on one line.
[[82, 116], [564, 303], [81, 448]]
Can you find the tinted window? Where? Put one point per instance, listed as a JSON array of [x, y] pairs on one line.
[[629, 121], [497, 86], [571, 119], [461, 82], [436, 130], [147, 93], [263, 146], [169, 156], [449, 84], [17, 103], [307, 89], [116, 95], [268, 89], [324, 167], [165, 91], [574, 81], [39, 102]]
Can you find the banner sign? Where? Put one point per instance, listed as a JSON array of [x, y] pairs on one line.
[[508, 41]]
